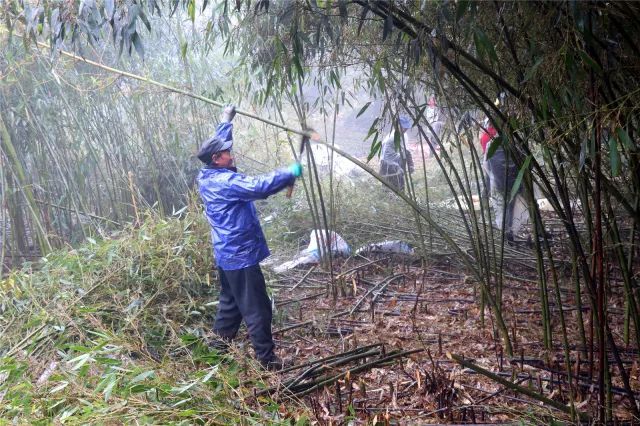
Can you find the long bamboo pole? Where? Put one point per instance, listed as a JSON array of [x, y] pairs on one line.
[[464, 257], [3, 226]]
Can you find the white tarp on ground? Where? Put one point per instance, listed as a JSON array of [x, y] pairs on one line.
[[388, 246], [319, 240]]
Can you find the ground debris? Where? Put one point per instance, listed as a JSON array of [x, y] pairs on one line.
[[419, 309]]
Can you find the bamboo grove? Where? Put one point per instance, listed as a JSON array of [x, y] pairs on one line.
[[565, 75], [102, 163]]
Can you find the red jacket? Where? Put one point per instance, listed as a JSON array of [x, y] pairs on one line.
[[487, 135]]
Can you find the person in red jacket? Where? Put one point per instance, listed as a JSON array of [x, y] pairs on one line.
[[487, 133], [501, 171]]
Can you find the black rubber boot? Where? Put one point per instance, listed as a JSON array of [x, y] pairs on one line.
[[275, 363], [219, 344]]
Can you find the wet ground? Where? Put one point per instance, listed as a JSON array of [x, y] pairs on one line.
[[380, 343]]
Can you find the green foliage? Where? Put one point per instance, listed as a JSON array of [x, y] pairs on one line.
[[116, 339], [568, 70], [518, 182]]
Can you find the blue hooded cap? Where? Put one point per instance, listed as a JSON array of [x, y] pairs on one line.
[[405, 122], [220, 141]]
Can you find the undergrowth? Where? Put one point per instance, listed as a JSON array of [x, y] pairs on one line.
[[115, 331]]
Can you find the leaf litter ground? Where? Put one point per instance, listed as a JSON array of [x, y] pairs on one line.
[[394, 305], [116, 331]]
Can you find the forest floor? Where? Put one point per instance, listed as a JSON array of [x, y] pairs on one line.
[[411, 321], [116, 331]]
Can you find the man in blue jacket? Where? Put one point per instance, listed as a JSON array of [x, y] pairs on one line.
[[238, 241]]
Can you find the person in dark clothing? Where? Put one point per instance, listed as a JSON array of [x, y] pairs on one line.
[[395, 160], [238, 241], [502, 171]]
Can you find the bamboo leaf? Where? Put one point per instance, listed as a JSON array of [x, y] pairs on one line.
[[137, 43], [363, 109], [484, 45], [68, 413], [335, 80], [327, 25], [376, 145], [174, 7], [496, 143], [79, 361], [142, 376], [59, 387], [461, 9], [103, 360], [583, 155], [388, 27], [134, 11], [145, 20], [397, 138], [298, 66], [140, 388], [372, 129], [109, 8], [531, 71], [624, 138], [590, 62], [269, 87], [363, 15], [183, 49], [110, 385], [191, 10], [518, 181], [183, 389], [210, 374]]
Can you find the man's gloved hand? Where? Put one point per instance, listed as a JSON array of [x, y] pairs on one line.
[[229, 113], [295, 169]]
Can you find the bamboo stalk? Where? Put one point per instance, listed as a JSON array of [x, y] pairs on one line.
[[355, 370], [15, 166], [380, 286], [304, 277], [3, 220], [512, 386]]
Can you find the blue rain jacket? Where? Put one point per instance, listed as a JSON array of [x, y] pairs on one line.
[[238, 240]]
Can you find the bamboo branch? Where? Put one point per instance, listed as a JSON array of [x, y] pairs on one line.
[[382, 284], [523, 390], [93, 216], [364, 367], [304, 278]]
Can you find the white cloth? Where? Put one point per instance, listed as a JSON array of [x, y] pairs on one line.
[[436, 120], [519, 211], [311, 254], [336, 243]]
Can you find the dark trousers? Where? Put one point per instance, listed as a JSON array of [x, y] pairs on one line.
[[392, 174], [243, 295]]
